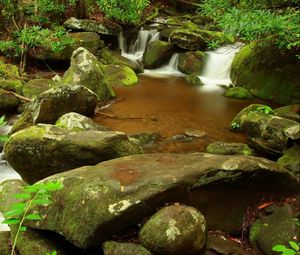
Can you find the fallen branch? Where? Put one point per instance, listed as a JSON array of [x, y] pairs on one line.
[[19, 96], [122, 117]]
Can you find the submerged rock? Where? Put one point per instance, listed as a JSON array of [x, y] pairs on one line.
[[87, 71], [175, 229], [291, 159], [222, 148], [115, 195], [48, 150], [267, 72], [238, 92], [157, 53], [116, 75], [191, 62], [114, 248], [8, 102], [53, 103]]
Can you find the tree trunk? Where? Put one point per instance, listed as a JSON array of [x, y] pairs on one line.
[[81, 9]]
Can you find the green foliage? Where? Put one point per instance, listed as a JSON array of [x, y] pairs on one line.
[[265, 109], [235, 126], [250, 21], [127, 11], [36, 194], [3, 138], [294, 248]]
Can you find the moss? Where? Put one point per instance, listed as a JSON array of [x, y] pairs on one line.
[[12, 85], [191, 62], [254, 230], [291, 159], [8, 102], [193, 80], [8, 71], [116, 75], [35, 87], [238, 92]]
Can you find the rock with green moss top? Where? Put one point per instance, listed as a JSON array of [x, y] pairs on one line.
[[115, 248], [173, 21], [53, 103], [197, 39], [122, 192], [116, 76], [238, 92], [157, 53], [112, 57], [267, 72], [33, 88], [202, 19], [48, 150], [12, 85], [278, 228], [89, 40], [87, 71], [76, 122], [105, 27], [291, 159], [175, 229], [8, 102], [8, 71], [194, 80], [290, 112], [165, 33], [191, 62], [222, 148]]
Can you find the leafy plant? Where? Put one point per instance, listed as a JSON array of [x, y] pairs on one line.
[[235, 126], [3, 138], [265, 109], [36, 194], [294, 248]]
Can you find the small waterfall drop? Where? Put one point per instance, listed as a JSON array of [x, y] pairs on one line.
[[136, 50], [218, 65]]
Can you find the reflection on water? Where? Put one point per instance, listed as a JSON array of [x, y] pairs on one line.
[[169, 106]]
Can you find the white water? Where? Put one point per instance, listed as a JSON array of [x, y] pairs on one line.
[[136, 51], [218, 65]]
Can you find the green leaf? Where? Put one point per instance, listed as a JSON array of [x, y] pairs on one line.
[[14, 212], [294, 245], [41, 201], [11, 221], [284, 250], [23, 196], [33, 216], [23, 228], [18, 206]]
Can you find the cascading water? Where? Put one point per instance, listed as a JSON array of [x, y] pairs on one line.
[[218, 65], [136, 50]]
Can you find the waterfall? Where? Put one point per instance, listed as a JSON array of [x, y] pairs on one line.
[[218, 65], [136, 50]]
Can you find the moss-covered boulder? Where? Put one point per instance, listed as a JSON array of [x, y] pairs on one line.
[[191, 62], [53, 103], [175, 229], [197, 39], [86, 70], [278, 228], [165, 33], [12, 85], [113, 57], [267, 72], [290, 112], [8, 71], [193, 79], [105, 27], [117, 75], [238, 92], [48, 150], [291, 159], [8, 102], [115, 248], [115, 195], [33, 88], [89, 40], [76, 122], [222, 148], [157, 53]]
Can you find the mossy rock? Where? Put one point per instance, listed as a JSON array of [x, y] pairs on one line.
[[291, 159], [87, 71], [116, 75], [157, 53], [33, 88], [8, 71], [89, 40], [8, 102], [165, 33], [290, 112], [239, 93], [191, 62], [222, 148], [115, 248], [193, 80], [12, 85], [267, 72]]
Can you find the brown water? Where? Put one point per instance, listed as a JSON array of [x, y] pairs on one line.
[[170, 106]]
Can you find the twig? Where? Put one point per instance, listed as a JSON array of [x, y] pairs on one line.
[[19, 96], [122, 117]]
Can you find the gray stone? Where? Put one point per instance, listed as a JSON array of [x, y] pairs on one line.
[[291, 159]]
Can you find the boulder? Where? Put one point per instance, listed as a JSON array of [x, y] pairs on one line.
[[8, 102], [86, 70], [267, 72], [165, 33], [48, 150], [191, 62], [105, 27], [278, 228], [157, 53], [222, 148], [238, 92], [175, 229], [53, 103], [290, 112], [116, 75], [89, 40], [33, 88], [115, 195], [193, 79], [112, 57], [291, 159], [8, 71], [114, 248], [73, 121], [12, 85]]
